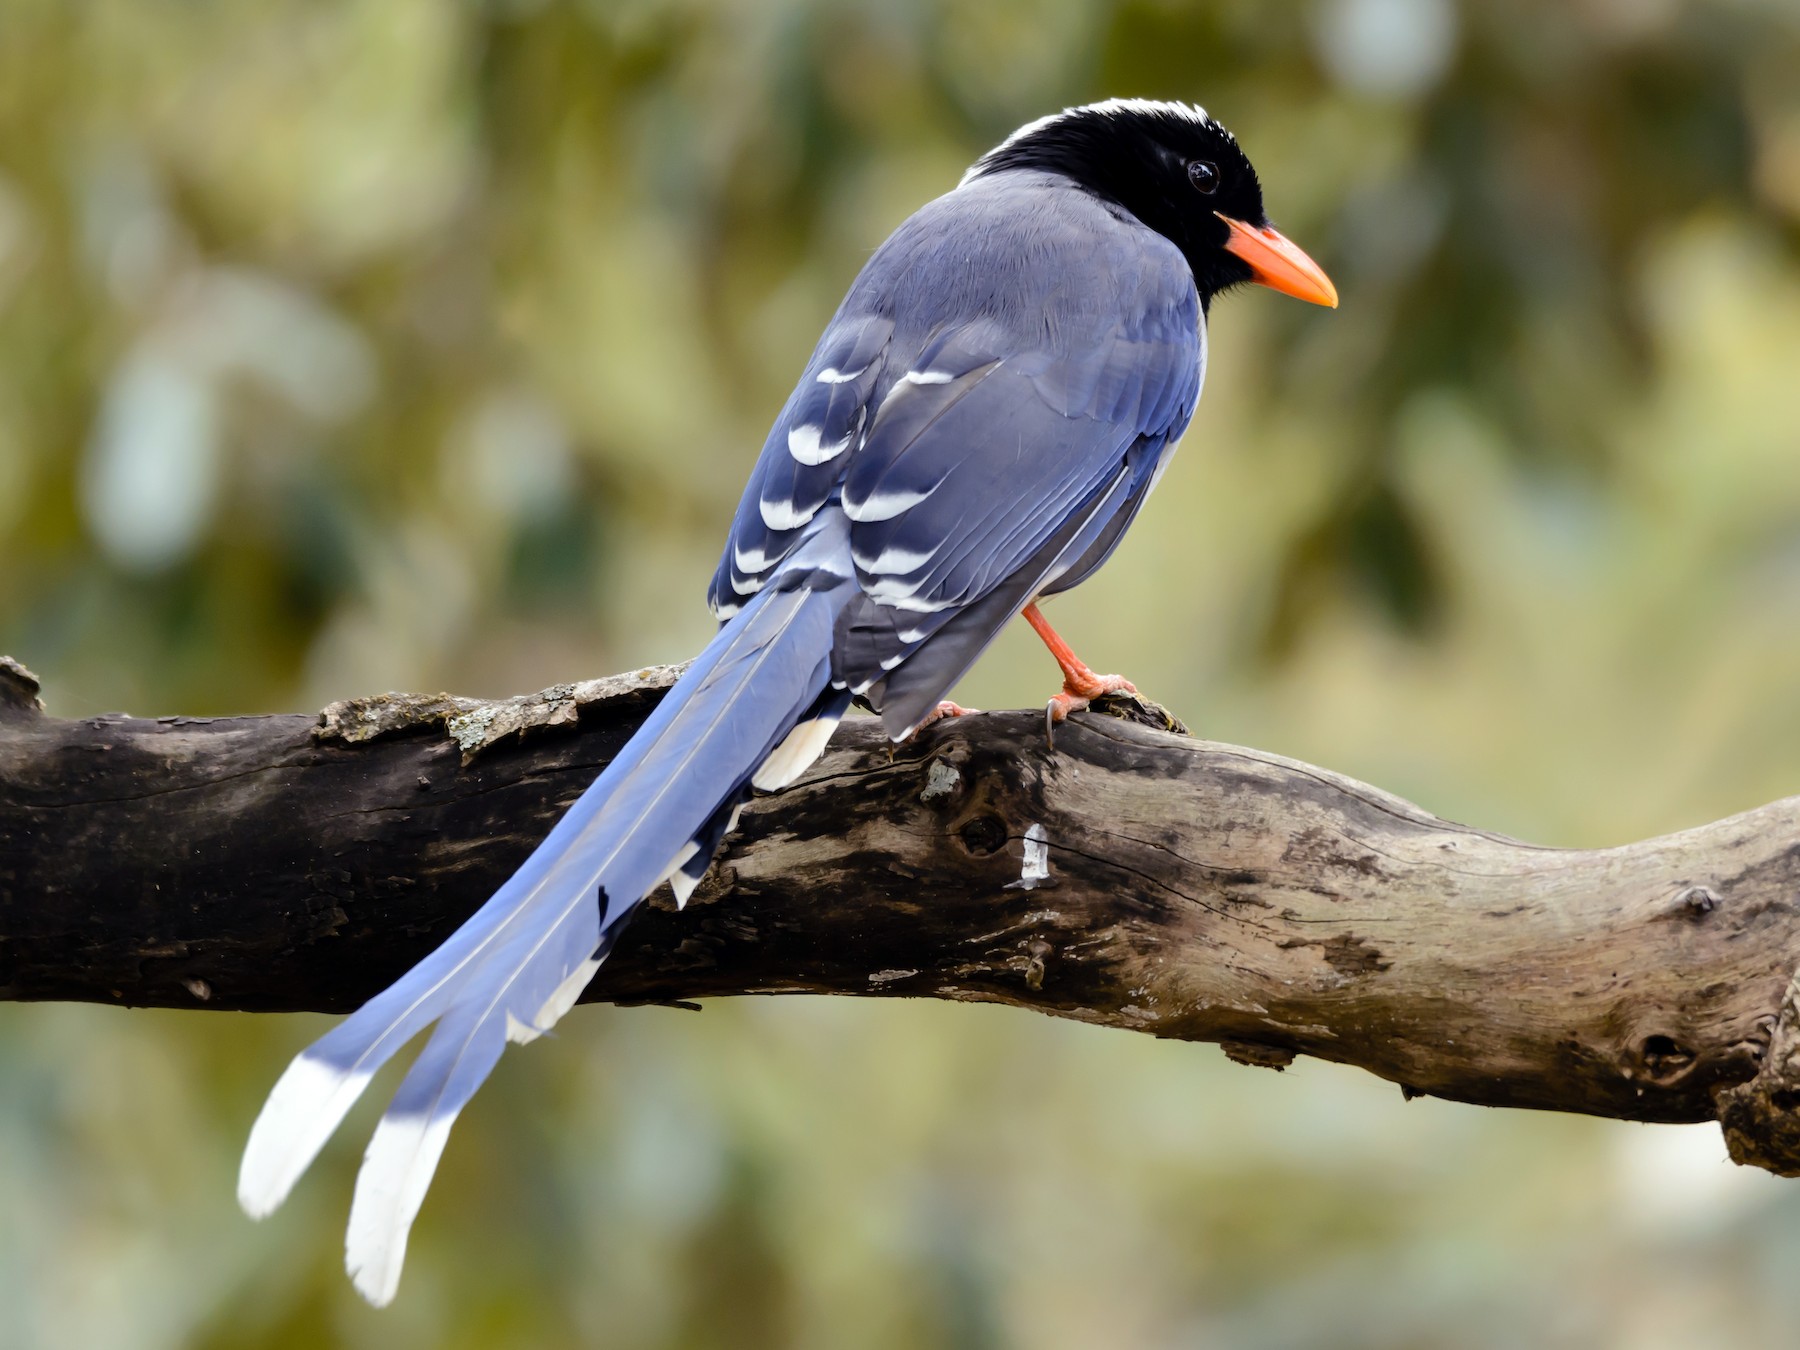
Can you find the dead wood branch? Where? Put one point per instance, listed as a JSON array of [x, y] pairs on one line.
[[1193, 890]]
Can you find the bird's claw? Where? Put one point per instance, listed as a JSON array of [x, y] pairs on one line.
[[1080, 689], [943, 710], [1084, 687]]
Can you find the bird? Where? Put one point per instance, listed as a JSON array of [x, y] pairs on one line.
[[980, 422]]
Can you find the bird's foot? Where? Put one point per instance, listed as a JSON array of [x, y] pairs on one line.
[[943, 710], [1081, 687]]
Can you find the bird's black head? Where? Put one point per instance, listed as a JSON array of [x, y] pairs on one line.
[[1180, 173]]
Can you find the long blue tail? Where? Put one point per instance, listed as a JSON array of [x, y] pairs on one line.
[[755, 707]]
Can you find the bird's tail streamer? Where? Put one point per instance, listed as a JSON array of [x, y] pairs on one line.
[[754, 709]]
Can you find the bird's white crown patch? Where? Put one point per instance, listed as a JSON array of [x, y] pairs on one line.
[[1111, 107]]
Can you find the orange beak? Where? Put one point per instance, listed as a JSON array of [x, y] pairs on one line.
[[1279, 264]]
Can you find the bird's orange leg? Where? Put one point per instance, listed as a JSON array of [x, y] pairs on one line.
[[1080, 684]]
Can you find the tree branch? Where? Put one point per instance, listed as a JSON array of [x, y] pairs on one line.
[[1129, 877]]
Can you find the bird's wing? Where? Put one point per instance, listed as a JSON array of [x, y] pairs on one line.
[[972, 465], [803, 461], [989, 407], [989, 464]]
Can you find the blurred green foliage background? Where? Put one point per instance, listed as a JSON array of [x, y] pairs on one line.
[[385, 344]]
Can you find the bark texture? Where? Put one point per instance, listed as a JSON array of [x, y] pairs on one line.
[[1128, 876]]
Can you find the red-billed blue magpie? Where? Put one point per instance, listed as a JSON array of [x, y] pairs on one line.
[[982, 419]]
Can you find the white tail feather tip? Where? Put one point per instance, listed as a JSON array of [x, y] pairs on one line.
[[306, 1104], [795, 755], [558, 1004], [679, 882], [396, 1173]]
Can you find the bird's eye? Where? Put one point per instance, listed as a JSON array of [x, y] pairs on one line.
[[1204, 175]]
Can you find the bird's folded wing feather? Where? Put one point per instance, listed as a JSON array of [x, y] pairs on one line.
[[970, 461]]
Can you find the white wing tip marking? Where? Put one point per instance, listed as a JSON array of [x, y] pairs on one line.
[[893, 561], [898, 595], [804, 445], [779, 515], [885, 505], [927, 377], [306, 1104], [832, 375], [396, 1171]]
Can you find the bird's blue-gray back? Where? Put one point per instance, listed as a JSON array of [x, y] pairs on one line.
[[989, 407]]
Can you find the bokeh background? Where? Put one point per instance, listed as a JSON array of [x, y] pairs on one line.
[[404, 344]]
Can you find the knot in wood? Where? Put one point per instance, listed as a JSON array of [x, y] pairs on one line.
[[1698, 900], [1257, 1056], [18, 690], [984, 835], [1664, 1058], [1761, 1118]]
